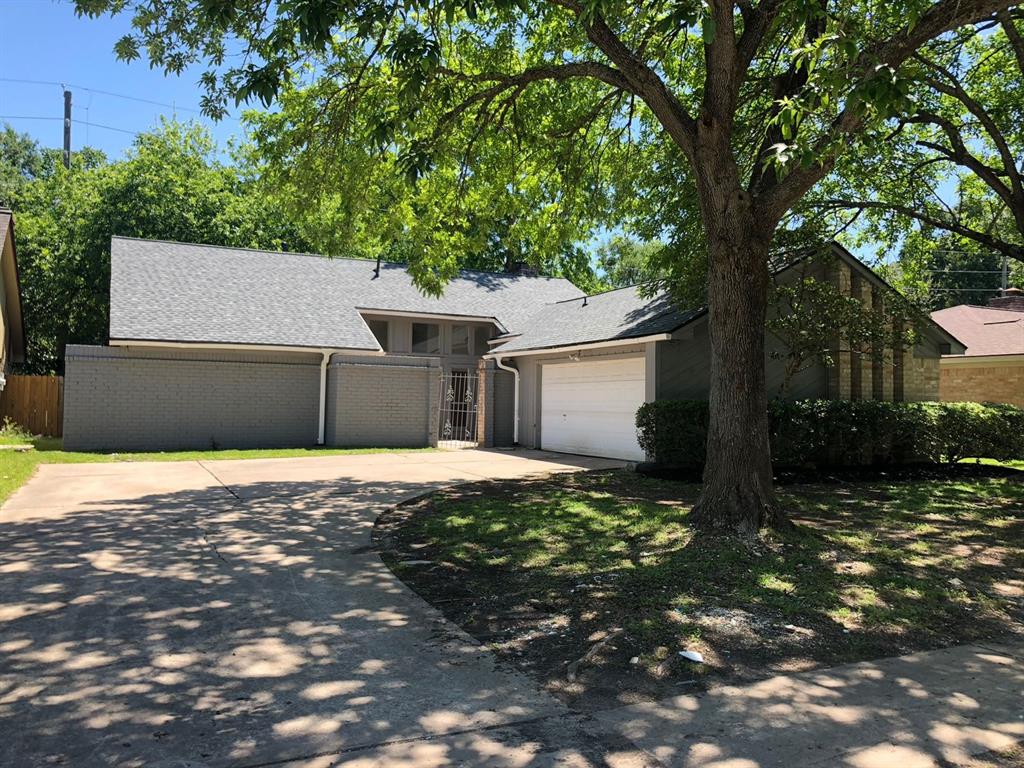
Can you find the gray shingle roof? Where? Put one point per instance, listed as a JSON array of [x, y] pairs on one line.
[[621, 314], [163, 291]]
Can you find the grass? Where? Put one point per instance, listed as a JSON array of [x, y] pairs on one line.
[[543, 569], [17, 466]]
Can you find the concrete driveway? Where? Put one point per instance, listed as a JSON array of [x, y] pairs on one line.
[[233, 613]]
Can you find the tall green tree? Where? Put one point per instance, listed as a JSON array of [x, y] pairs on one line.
[[578, 114], [624, 260], [953, 168], [169, 186]]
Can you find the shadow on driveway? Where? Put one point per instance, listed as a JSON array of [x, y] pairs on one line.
[[235, 625]]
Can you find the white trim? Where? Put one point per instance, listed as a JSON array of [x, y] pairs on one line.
[[433, 316], [986, 361], [573, 347], [322, 418], [515, 397], [238, 347]]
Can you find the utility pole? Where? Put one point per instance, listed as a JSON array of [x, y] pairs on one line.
[[1006, 270], [67, 128]]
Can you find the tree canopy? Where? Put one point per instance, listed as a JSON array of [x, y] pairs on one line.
[[945, 188], [562, 118], [169, 186]]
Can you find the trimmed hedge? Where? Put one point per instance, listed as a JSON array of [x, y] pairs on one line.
[[835, 433]]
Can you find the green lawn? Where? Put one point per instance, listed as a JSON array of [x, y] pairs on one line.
[[17, 466], [544, 569]]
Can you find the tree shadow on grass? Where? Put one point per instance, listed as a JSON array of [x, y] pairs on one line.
[[545, 569]]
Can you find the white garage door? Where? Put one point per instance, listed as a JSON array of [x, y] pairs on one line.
[[590, 407]]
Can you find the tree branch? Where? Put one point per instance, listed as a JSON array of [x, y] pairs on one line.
[[756, 24], [1013, 35], [519, 81], [788, 84], [721, 84], [995, 243], [960, 154], [955, 90], [940, 18], [641, 79]]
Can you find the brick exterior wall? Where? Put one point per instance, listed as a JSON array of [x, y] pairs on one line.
[[382, 402], [983, 382], [1012, 299], [888, 374], [920, 375], [166, 399]]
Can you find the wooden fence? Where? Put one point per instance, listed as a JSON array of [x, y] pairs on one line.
[[34, 402]]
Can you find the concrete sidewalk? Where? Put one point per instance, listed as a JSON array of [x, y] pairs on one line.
[[927, 709]]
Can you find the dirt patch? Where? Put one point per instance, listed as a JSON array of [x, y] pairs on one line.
[[592, 584]]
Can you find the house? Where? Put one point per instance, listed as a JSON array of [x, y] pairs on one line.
[[992, 368], [584, 365], [219, 347], [12, 332]]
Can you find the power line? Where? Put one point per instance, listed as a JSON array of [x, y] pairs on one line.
[[965, 271], [102, 92], [106, 127], [79, 122]]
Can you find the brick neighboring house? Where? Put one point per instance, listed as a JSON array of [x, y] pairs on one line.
[[228, 347], [992, 368]]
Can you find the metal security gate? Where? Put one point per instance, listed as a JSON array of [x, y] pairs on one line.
[[458, 410]]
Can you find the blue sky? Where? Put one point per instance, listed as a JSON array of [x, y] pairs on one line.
[[43, 40]]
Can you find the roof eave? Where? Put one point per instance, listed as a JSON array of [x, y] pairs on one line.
[[619, 342], [241, 346]]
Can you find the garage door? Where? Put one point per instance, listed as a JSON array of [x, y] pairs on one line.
[[590, 407]]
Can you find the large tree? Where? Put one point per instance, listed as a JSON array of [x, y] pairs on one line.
[[584, 109], [954, 166]]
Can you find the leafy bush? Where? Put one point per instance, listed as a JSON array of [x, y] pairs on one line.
[[833, 433], [674, 431]]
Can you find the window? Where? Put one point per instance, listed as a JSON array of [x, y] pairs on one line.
[[481, 335], [379, 328], [426, 338], [460, 339]]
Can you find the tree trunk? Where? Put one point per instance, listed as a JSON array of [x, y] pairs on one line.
[[737, 496]]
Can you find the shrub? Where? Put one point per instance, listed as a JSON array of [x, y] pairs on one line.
[[833, 433], [674, 431], [12, 430]]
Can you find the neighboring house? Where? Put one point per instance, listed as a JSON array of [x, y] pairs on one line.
[[223, 347], [992, 369], [12, 332]]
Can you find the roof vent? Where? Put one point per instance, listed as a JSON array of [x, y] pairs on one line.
[[1011, 298]]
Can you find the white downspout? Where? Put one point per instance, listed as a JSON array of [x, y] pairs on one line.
[[515, 398], [323, 396]]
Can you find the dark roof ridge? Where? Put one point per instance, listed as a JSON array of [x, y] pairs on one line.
[[320, 256], [984, 306]]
